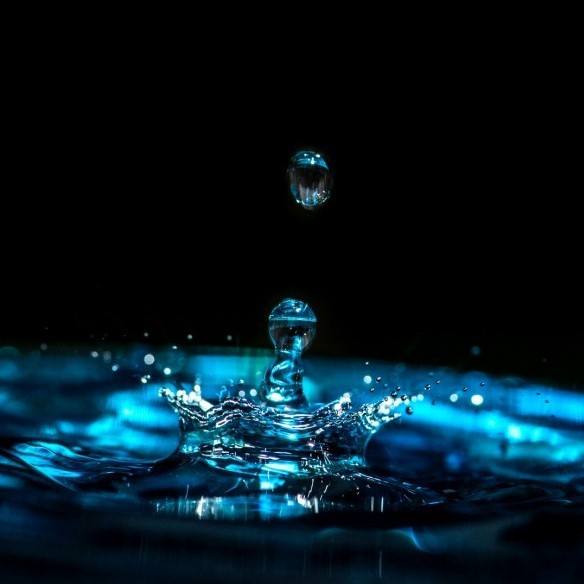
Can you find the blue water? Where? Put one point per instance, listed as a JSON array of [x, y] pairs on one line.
[[91, 436], [70, 421]]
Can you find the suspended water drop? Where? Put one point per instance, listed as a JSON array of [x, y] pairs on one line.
[[310, 179], [477, 399], [409, 410]]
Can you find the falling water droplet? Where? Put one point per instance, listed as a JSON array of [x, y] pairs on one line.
[[310, 179], [409, 410]]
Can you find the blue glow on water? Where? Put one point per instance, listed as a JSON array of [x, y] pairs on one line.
[[522, 430]]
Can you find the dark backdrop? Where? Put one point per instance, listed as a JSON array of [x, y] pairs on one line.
[[451, 225]]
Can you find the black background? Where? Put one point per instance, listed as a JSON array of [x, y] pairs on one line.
[[452, 223]]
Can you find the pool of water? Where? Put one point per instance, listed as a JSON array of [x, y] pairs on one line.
[[485, 473]]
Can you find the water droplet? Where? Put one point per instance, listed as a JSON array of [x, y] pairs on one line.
[[94, 354], [167, 371], [427, 386], [482, 384], [409, 410], [465, 388], [367, 379], [292, 327], [454, 398], [378, 379], [477, 399], [149, 359], [310, 179], [44, 346]]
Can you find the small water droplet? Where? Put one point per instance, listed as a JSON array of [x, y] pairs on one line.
[[409, 410], [310, 179], [475, 351], [477, 399], [149, 359], [378, 379]]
